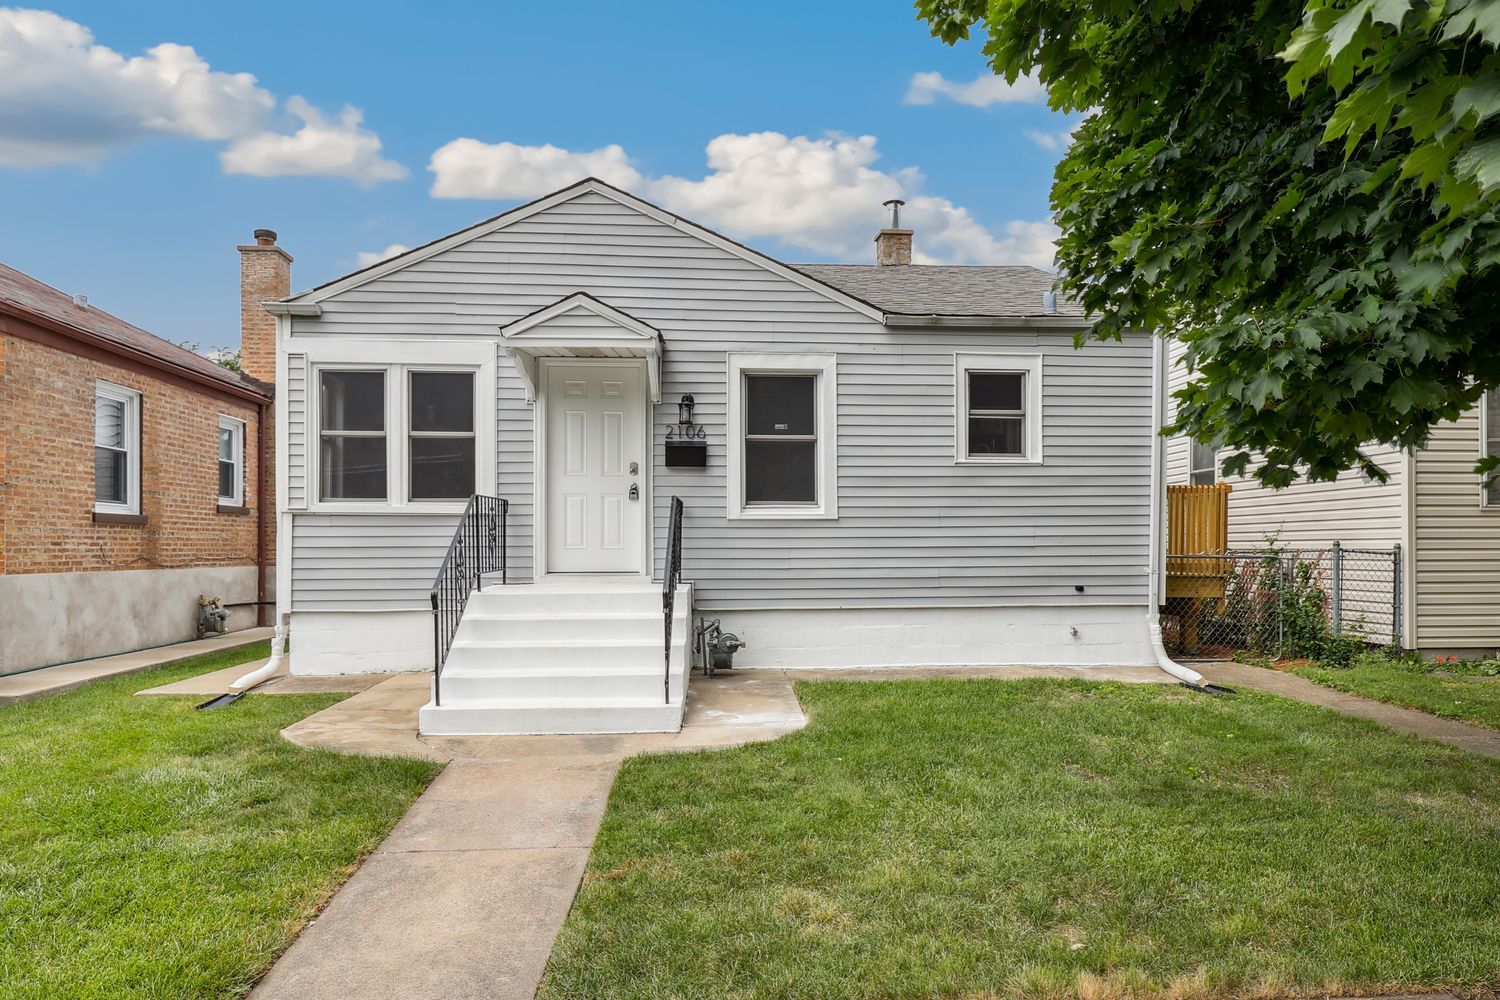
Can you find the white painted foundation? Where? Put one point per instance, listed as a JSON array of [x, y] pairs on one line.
[[360, 642], [1109, 636]]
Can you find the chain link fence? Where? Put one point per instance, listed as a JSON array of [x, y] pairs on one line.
[[1281, 603]]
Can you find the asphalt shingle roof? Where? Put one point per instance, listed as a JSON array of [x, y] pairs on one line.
[[25, 294], [945, 290]]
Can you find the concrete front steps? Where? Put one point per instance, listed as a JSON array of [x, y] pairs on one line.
[[572, 655]]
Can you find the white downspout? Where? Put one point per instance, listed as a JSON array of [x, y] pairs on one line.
[[1158, 494], [276, 666]]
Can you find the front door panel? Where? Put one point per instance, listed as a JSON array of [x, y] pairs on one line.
[[594, 437]]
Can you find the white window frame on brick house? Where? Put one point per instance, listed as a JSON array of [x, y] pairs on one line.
[[401, 358], [824, 370], [236, 429], [1030, 367], [1489, 444], [130, 403]]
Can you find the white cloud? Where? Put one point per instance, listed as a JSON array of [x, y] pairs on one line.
[[981, 92], [468, 168], [368, 257], [822, 195], [66, 99], [1052, 141], [320, 148]]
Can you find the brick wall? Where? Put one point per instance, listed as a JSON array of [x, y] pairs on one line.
[[47, 477]]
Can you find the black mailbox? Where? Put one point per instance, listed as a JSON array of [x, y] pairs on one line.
[[687, 454]]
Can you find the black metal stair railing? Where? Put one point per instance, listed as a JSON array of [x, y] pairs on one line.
[[477, 550], [671, 574]]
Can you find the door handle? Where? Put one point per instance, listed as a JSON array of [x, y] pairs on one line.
[[635, 491]]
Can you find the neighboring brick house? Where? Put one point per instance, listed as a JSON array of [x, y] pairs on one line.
[[132, 473]]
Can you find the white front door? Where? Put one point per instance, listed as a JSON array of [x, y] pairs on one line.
[[595, 456]]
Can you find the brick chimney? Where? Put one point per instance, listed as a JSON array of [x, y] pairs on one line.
[[265, 274], [893, 244]]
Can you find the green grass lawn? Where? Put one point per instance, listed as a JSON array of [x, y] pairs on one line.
[[1453, 691], [1039, 839], [150, 850]]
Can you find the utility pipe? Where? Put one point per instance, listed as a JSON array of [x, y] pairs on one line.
[[276, 666], [1187, 675]]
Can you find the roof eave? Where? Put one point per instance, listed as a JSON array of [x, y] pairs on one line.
[[243, 387], [944, 320]]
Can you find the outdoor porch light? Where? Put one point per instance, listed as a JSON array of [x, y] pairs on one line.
[[685, 409]]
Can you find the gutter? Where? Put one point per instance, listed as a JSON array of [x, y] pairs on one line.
[[1187, 675], [940, 320], [125, 351]]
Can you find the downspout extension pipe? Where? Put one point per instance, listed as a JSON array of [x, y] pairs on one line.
[[276, 666], [1187, 675]]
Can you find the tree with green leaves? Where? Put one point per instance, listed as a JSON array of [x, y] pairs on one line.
[[1306, 193]]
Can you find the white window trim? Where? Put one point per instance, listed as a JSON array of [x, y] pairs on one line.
[[998, 361], [825, 368], [1484, 449], [132, 404], [398, 356], [237, 499]]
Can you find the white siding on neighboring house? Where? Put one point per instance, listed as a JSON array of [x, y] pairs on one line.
[[1352, 510], [1179, 447], [914, 528], [1457, 573]]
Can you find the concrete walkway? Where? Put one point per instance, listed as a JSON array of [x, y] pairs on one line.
[[1475, 739], [465, 897], [218, 681], [66, 676]]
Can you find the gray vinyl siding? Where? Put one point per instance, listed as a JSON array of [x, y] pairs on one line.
[[914, 528], [296, 432], [1457, 572], [367, 561], [1351, 509]]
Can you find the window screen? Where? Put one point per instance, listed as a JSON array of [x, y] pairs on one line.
[[1205, 470], [781, 439], [442, 435], [352, 432], [997, 413], [111, 450]]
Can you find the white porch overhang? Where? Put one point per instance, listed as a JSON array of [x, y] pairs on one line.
[[581, 326]]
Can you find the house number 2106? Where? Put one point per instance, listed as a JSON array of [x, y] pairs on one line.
[[688, 433]]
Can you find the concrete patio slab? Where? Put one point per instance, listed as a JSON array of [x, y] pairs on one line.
[[46, 681], [218, 681], [1475, 739]]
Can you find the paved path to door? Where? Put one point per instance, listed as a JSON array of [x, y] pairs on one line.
[[465, 897], [1476, 739]]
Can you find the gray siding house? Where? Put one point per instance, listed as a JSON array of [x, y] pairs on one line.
[[886, 464]]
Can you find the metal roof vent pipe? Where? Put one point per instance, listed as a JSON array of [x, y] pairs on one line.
[[1049, 303], [893, 244]]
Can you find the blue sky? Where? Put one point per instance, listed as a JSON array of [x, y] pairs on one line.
[[129, 172]]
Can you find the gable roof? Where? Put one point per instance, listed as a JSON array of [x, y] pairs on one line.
[[30, 299], [1012, 291], [589, 185]]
